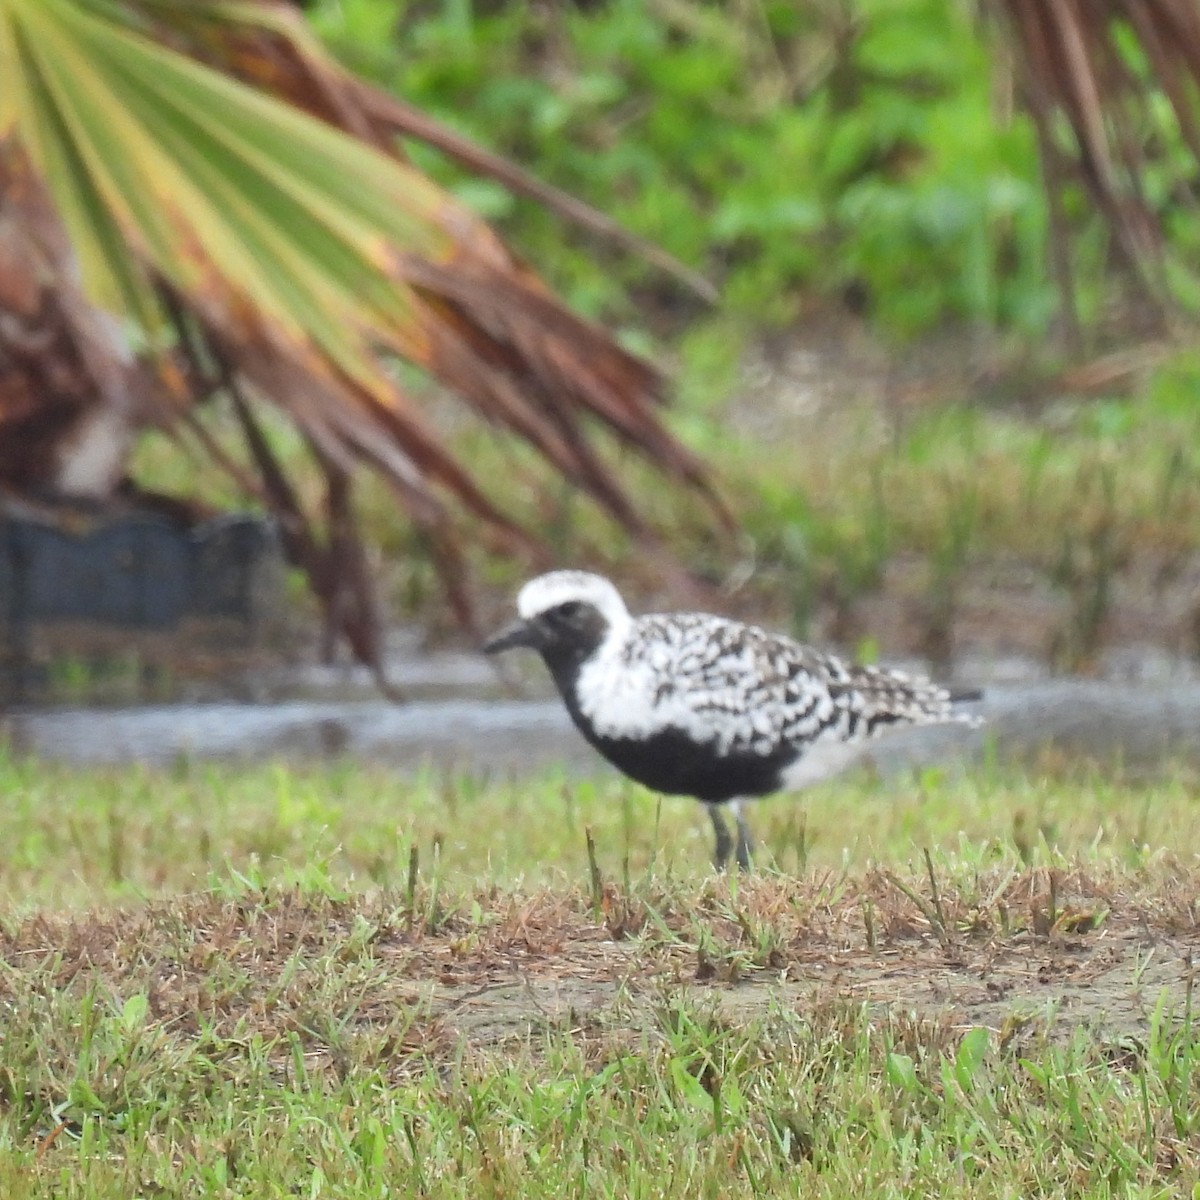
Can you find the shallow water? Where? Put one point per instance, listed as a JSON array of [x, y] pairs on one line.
[[1139, 725]]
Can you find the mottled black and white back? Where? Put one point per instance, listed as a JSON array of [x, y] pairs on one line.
[[698, 705]]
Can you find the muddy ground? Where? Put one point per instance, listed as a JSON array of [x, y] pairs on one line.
[[1028, 983], [1111, 985]]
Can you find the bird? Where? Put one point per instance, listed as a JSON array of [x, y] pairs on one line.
[[694, 704]]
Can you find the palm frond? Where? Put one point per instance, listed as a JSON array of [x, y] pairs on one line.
[[233, 195], [1085, 66]]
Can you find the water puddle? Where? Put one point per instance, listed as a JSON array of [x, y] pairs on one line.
[[1139, 725]]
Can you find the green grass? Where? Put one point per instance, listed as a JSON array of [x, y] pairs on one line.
[[334, 981], [68, 839]]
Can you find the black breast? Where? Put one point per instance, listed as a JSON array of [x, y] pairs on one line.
[[669, 761]]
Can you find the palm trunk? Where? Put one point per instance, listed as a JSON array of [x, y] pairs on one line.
[[68, 385]]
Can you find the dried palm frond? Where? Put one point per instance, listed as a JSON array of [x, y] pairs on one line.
[[206, 174], [1084, 63]]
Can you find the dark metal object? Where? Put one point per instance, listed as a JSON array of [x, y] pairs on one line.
[[136, 571]]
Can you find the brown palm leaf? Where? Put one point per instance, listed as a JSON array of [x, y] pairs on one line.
[[1075, 64]]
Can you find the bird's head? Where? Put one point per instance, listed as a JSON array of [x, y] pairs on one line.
[[565, 616]]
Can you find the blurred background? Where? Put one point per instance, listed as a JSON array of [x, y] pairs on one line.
[[916, 278]]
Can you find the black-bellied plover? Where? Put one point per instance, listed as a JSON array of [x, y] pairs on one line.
[[697, 705]]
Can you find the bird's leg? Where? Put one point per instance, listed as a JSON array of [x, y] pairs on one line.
[[724, 841], [745, 842]]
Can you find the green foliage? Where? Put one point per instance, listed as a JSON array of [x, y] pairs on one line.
[[786, 150]]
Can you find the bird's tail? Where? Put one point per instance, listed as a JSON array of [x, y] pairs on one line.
[[890, 698]]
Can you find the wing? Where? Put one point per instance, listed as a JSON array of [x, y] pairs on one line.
[[752, 692], [733, 685]]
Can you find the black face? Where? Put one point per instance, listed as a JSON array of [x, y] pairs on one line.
[[565, 635], [570, 632]]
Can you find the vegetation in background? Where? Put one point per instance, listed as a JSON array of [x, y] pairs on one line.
[[1083, 496], [790, 151], [871, 155], [198, 207], [874, 150], [1086, 501], [867, 154]]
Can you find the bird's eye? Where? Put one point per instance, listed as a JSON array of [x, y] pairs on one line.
[[571, 609]]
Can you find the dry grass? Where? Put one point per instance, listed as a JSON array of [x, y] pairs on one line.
[[263, 961]]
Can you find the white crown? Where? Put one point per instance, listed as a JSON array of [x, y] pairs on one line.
[[561, 587]]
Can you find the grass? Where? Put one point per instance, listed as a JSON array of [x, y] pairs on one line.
[[333, 981], [132, 834]]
